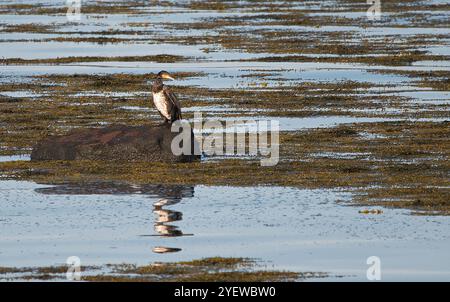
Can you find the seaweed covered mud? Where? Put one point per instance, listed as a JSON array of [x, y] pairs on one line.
[[214, 269], [363, 102]]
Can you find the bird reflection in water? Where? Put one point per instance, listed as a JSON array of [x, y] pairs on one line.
[[168, 195], [164, 217]]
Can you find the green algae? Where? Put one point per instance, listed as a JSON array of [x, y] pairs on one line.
[[215, 269]]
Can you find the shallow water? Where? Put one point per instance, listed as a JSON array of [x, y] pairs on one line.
[[222, 74], [21, 157], [289, 228], [302, 123]]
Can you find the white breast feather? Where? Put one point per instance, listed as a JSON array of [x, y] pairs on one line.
[[161, 105]]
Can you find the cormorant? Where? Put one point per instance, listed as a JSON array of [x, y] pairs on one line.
[[164, 99]]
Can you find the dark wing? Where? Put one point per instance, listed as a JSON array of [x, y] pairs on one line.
[[176, 107]]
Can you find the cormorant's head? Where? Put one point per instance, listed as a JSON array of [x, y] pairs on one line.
[[164, 75]]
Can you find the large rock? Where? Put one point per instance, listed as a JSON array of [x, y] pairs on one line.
[[121, 143]]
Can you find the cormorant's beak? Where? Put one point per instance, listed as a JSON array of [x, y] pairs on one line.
[[168, 77]]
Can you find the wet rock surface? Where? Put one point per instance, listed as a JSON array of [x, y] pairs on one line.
[[118, 142]]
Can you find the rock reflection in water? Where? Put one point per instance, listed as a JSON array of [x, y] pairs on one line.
[[168, 195]]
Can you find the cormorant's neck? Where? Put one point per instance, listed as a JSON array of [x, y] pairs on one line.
[[157, 85]]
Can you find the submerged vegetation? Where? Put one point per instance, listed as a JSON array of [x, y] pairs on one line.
[[216, 269], [66, 60]]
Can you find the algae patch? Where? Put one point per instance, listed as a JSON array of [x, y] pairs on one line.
[[215, 269]]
